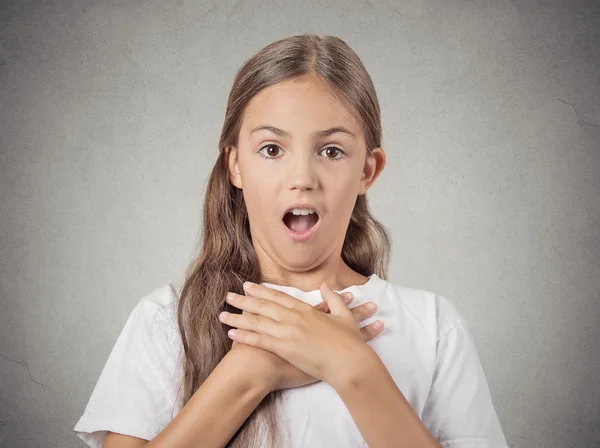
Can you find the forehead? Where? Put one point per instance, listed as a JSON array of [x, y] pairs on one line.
[[301, 105]]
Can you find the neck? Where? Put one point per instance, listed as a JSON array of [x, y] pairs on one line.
[[337, 277]]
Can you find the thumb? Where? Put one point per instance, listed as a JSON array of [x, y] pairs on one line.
[[334, 301]]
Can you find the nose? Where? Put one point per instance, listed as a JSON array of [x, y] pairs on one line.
[[301, 173]]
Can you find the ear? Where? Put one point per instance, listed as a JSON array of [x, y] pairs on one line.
[[374, 164], [232, 163]]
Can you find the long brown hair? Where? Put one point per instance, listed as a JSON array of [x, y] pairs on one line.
[[227, 257]]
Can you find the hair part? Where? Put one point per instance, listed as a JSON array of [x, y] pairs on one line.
[[227, 257]]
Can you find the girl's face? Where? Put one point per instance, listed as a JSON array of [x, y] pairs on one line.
[[297, 144]]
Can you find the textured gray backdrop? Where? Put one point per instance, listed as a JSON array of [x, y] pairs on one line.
[[110, 113]]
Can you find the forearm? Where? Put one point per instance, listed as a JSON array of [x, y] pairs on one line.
[[216, 410], [378, 407]]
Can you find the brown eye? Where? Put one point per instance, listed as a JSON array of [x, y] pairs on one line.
[[332, 151], [272, 151]]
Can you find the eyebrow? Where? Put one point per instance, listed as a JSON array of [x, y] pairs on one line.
[[284, 134]]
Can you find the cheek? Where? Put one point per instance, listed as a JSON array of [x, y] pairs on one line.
[[256, 202], [257, 179], [260, 196], [341, 201], [341, 190]]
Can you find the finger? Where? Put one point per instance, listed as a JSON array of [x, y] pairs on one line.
[[334, 301], [361, 312], [279, 297], [257, 306], [369, 332], [321, 307], [263, 341], [347, 296], [252, 322]]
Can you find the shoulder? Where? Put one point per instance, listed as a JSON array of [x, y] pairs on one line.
[[433, 312], [153, 319], [136, 391], [158, 305]]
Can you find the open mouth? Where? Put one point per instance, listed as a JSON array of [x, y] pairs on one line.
[[300, 223]]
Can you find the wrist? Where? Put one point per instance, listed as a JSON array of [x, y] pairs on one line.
[[352, 372], [254, 374]]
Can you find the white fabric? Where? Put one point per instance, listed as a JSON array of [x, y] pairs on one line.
[[426, 346]]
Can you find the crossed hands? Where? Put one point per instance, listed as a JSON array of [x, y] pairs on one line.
[[302, 343]]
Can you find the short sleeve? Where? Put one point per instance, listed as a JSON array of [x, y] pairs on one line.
[[134, 394], [458, 411]]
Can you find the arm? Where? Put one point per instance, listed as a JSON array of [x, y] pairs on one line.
[[214, 413], [379, 409]]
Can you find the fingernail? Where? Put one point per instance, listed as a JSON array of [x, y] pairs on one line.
[[248, 285], [371, 306], [348, 297], [378, 324]]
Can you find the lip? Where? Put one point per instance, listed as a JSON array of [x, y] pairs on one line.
[[301, 237], [302, 205]]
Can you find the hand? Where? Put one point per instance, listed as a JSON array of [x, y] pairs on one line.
[[285, 375], [317, 343]]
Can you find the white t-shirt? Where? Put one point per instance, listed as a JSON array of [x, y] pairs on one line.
[[425, 345]]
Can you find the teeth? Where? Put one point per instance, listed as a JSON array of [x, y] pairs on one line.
[[301, 211]]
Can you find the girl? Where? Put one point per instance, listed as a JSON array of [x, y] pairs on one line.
[[287, 237]]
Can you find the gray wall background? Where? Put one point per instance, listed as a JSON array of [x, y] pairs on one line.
[[110, 113]]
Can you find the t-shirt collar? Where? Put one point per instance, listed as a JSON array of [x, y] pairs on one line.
[[314, 297]]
